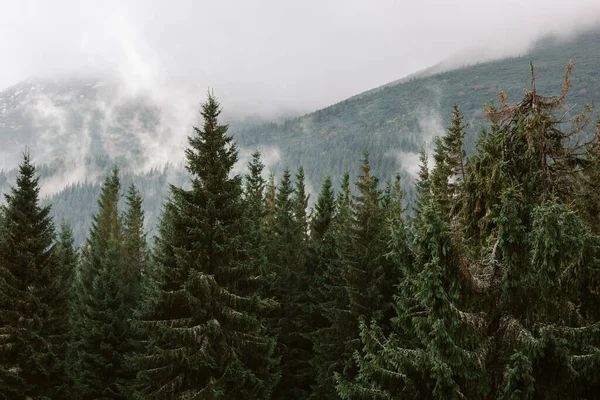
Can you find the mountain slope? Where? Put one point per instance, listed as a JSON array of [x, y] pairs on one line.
[[81, 127], [393, 122]]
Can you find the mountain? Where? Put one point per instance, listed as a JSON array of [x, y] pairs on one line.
[[74, 118], [80, 127], [396, 120]]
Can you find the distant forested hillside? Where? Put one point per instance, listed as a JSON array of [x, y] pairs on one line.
[[87, 127], [395, 120]]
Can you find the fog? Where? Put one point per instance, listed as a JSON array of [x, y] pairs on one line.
[[269, 57], [262, 59]]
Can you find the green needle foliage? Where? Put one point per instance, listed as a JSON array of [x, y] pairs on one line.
[[491, 303], [33, 319], [486, 286], [203, 331]]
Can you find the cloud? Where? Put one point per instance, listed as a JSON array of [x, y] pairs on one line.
[[269, 155], [268, 56], [261, 58]]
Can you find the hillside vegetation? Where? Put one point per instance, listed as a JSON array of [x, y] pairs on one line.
[[489, 290], [392, 122]]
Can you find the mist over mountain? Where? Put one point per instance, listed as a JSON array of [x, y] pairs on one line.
[[78, 128]]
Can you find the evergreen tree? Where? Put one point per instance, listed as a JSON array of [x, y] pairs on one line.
[[106, 338], [423, 184], [135, 247], [101, 329], [204, 338], [333, 342], [255, 242], [287, 254], [499, 317], [31, 346], [322, 261], [431, 351], [300, 199], [369, 277], [271, 194], [67, 258], [454, 148], [450, 166]]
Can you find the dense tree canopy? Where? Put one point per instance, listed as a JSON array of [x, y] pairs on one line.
[[486, 286]]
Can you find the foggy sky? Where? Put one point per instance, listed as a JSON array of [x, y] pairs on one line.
[[271, 55]]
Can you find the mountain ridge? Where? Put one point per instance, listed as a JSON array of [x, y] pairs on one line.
[[393, 122]]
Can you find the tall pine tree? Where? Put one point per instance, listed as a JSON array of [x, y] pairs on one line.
[[204, 338], [287, 261], [32, 330], [103, 288]]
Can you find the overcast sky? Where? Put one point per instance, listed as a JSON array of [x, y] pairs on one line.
[[269, 55]]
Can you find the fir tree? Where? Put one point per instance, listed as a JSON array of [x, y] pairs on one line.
[[67, 258], [423, 184], [431, 351], [135, 247], [287, 260], [203, 337], [31, 345], [101, 329], [255, 242], [271, 194], [323, 260], [332, 342], [369, 277]]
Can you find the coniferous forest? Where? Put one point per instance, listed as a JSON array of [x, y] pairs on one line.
[[485, 287]]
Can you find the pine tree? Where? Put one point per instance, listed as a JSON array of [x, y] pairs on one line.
[[101, 327], [454, 147], [137, 277], [538, 246], [135, 247], [333, 344], [322, 262], [31, 346], [451, 166], [300, 206], [255, 242], [303, 319], [423, 184], [431, 351], [287, 259], [106, 339], [369, 276], [67, 258], [499, 317], [271, 193], [203, 337]]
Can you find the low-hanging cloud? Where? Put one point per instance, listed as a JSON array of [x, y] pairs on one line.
[[267, 57], [261, 58]]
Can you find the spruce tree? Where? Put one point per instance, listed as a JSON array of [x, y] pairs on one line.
[[287, 259], [67, 258], [32, 332], [500, 317], [102, 310], [106, 339], [204, 338], [270, 195], [323, 260], [370, 278], [540, 252], [432, 350], [255, 242]]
